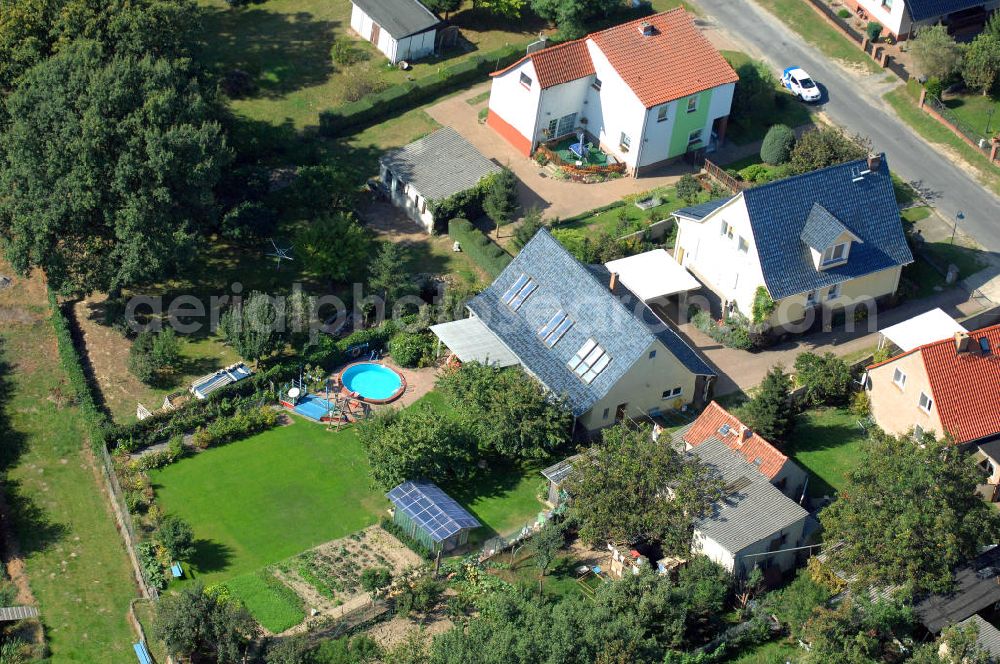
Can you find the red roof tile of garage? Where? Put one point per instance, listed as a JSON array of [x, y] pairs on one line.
[[558, 64], [674, 62], [966, 386], [707, 427]]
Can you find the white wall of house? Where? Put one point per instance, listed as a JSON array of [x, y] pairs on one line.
[[563, 101], [413, 47], [790, 480], [642, 388], [738, 563], [621, 111], [516, 103], [406, 197], [891, 14]]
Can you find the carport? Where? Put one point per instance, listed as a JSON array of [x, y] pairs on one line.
[[928, 327], [655, 277], [471, 341]]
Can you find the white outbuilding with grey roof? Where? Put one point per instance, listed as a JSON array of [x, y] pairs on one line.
[[653, 274], [928, 327], [401, 29], [432, 169], [471, 341]]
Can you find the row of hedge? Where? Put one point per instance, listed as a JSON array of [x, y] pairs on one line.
[[406, 96], [486, 253]]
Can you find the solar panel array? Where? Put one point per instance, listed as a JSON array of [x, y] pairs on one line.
[[431, 509]]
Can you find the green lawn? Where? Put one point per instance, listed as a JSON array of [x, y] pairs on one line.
[[803, 19], [75, 561], [273, 604], [260, 500], [976, 111], [827, 443], [772, 652], [628, 218], [904, 100], [789, 111], [503, 501], [559, 581]]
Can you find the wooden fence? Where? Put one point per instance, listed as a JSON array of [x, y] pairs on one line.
[[725, 179]]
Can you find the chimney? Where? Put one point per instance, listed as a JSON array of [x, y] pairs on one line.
[[962, 342], [743, 433], [614, 281], [874, 162], [646, 28]]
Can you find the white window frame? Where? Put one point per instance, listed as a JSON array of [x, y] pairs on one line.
[[925, 402], [625, 142], [525, 81], [828, 255], [899, 378], [663, 113], [742, 245], [692, 104], [672, 393]]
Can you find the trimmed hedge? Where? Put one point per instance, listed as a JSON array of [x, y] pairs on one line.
[[406, 96], [486, 253]]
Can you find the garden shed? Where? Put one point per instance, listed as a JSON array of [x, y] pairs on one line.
[[432, 169], [430, 516], [402, 29]]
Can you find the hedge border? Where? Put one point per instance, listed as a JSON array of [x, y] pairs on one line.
[[486, 253]]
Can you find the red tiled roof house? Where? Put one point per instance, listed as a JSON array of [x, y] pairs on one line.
[[646, 92], [950, 388]]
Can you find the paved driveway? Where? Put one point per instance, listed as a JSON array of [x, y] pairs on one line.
[[556, 198]]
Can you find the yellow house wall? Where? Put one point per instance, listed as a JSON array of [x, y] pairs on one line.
[[791, 310], [642, 388], [897, 410]]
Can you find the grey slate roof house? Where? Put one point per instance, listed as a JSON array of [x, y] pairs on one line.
[[432, 168], [401, 29], [582, 335], [828, 239], [976, 588]]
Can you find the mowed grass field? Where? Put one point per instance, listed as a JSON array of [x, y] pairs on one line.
[[76, 563], [827, 443]]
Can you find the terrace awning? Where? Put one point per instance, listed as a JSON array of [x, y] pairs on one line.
[[926, 328], [653, 274], [471, 341]]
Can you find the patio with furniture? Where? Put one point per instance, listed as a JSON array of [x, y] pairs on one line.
[[580, 155]]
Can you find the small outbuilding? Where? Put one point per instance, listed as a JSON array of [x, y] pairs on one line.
[[402, 29], [205, 385], [430, 516], [431, 169]]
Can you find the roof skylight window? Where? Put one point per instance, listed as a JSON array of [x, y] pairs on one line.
[[519, 292], [554, 330], [589, 361]]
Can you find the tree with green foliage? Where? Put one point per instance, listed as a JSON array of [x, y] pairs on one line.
[[204, 625], [856, 631], [329, 189], [248, 221], [445, 7], [291, 650], [504, 8], [777, 146], [795, 603], [375, 578], [507, 411], [500, 197], [826, 378], [935, 52], [385, 273], [252, 326], [763, 306], [753, 98], [109, 168], [334, 246], [153, 354], [572, 16], [618, 490], [981, 63], [957, 644], [360, 649], [688, 188], [908, 515], [176, 536], [415, 443], [412, 349], [828, 146], [770, 412], [528, 227], [544, 547]]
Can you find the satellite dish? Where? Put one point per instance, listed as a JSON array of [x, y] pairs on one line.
[[294, 393]]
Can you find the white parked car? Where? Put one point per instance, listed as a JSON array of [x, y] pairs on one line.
[[798, 81]]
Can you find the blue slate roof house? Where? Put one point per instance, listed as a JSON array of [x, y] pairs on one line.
[[904, 18], [830, 239], [583, 335]]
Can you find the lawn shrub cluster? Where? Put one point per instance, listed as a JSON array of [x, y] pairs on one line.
[[152, 569], [733, 331], [241, 424], [486, 253], [412, 349], [390, 527], [171, 453], [826, 378], [405, 96]]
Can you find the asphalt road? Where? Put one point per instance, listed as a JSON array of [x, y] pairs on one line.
[[853, 101]]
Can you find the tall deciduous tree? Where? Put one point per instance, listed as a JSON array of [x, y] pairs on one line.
[[935, 52], [108, 169], [769, 412], [500, 198], [628, 488], [205, 626], [857, 631], [908, 514], [253, 327], [386, 273], [443, 6], [334, 246], [981, 63]]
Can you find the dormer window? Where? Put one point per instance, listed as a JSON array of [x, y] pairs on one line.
[[835, 254]]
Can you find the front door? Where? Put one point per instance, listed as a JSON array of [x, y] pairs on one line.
[[376, 31], [620, 412]]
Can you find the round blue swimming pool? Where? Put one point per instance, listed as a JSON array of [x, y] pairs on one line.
[[372, 382]]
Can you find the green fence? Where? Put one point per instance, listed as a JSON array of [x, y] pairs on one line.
[[486, 253], [406, 96]]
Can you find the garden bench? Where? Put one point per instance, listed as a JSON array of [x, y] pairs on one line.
[[176, 570]]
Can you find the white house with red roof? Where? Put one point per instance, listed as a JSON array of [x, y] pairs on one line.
[[645, 92], [949, 388]]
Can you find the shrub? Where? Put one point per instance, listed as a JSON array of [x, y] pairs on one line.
[[249, 220], [526, 230], [777, 145], [843, 12], [375, 578], [360, 83], [934, 87], [176, 536], [343, 52], [873, 30], [763, 306], [412, 349], [487, 255], [152, 354], [688, 188], [770, 412], [732, 332], [756, 173], [152, 570], [826, 378], [242, 424], [500, 197], [861, 404]]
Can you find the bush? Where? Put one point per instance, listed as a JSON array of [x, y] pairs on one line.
[[843, 12], [152, 354], [733, 332], [249, 220], [770, 411], [763, 306], [527, 229], [412, 349], [176, 536], [861, 404], [777, 145], [873, 30], [934, 87], [152, 570], [756, 173], [343, 52], [688, 188], [242, 424], [826, 378], [361, 83], [375, 578], [487, 255]]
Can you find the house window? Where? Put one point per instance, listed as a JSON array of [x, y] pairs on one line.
[[834, 292], [607, 411], [625, 142], [519, 291], [423, 206], [743, 245], [899, 379], [661, 113], [925, 403], [554, 330], [596, 84], [694, 137], [550, 132], [835, 254], [811, 299], [692, 104], [673, 392], [652, 354], [589, 361], [727, 230], [525, 80], [918, 432]]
